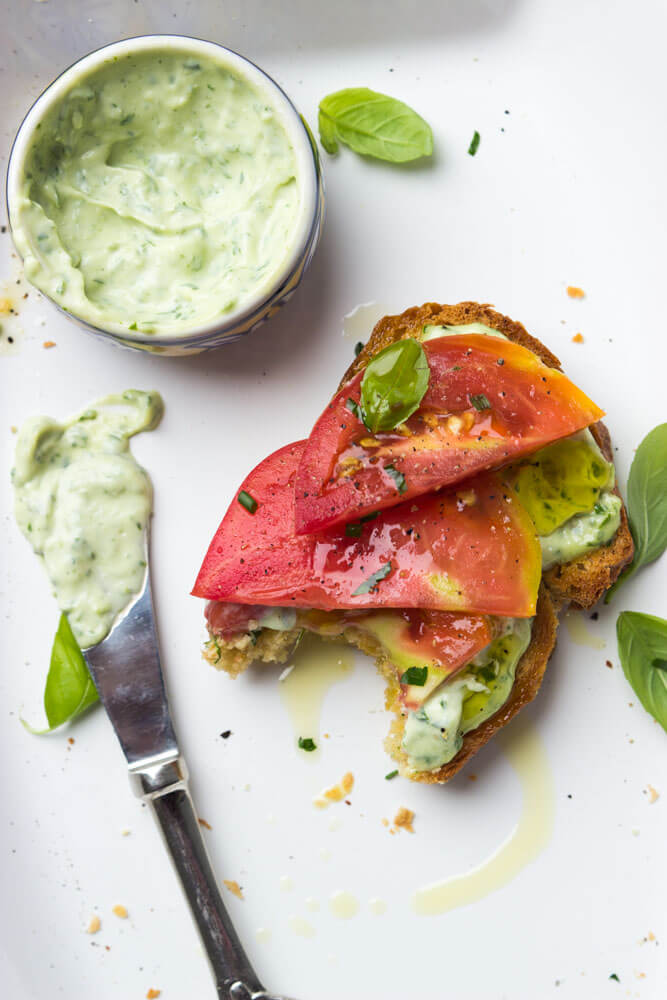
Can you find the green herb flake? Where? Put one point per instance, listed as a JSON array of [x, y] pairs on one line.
[[394, 385], [355, 409], [371, 583], [398, 477], [374, 125], [614, 976], [474, 143], [480, 402], [353, 530], [392, 774], [647, 503], [307, 744], [416, 676], [247, 501]]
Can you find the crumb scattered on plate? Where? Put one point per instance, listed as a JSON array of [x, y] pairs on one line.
[[49, 343], [119, 911], [403, 819], [578, 338], [233, 887], [153, 994], [336, 793], [653, 794], [574, 292], [94, 924], [204, 823]]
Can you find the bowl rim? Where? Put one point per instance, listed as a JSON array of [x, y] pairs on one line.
[[296, 127]]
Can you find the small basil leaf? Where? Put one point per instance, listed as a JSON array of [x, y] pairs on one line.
[[373, 124], [394, 385], [647, 502], [642, 647], [69, 687]]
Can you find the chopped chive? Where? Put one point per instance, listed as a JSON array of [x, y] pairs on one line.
[[474, 143], [480, 402], [373, 580], [247, 501], [353, 530], [369, 517], [415, 675], [307, 744], [392, 774], [358, 348], [398, 477]]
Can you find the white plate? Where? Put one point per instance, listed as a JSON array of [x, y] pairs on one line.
[[571, 192]]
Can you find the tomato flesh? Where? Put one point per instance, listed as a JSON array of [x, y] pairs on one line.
[[346, 471], [474, 551]]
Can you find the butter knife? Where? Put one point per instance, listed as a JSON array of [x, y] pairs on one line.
[[127, 673]]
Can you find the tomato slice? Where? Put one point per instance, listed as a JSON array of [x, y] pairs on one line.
[[489, 401], [474, 551]]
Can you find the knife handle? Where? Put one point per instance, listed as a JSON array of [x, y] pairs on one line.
[[164, 788]]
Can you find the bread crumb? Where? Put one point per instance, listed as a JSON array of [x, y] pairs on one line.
[[403, 819], [651, 936], [336, 793], [578, 338], [472, 777], [574, 292], [233, 887], [653, 794], [94, 924], [385, 821], [119, 911], [49, 343], [5, 306], [125, 832], [609, 664], [153, 994], [14, 429], [204, 823], [71, 741]]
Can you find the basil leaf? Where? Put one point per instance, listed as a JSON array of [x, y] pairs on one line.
[[373, 124], [642, 647], [373, 580], [69, 687], [415, 675], [480, 402], [647, 502], [394, 384]]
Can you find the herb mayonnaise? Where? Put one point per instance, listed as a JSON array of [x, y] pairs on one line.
[[83, 503], [159, 194]]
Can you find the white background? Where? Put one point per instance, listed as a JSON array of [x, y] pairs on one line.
[[571, 192]]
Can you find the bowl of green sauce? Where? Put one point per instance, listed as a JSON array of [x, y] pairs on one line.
[[165, 192]]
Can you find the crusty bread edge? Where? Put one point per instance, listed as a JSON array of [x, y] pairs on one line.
[[528, 678], [582, 582]]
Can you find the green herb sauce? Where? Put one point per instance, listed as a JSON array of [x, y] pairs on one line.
[[83, 503], [158, 195]]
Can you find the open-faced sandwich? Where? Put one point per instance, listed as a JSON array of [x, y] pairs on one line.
[[454, 495]]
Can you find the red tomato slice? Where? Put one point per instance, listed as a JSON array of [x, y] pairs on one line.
[[475, 552], [347, 472]]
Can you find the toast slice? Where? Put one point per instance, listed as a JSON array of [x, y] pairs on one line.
[[582, 582]]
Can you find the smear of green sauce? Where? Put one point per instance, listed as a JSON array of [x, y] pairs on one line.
[[83, 503]]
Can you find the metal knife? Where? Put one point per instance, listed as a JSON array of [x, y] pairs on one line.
[[127, 674]]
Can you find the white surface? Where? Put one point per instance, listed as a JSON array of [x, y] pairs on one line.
[[572, 192]]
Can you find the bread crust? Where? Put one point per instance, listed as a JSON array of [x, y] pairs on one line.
[[582, 582], [529, 673]]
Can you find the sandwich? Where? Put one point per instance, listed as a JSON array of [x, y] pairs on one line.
[[457, 492]]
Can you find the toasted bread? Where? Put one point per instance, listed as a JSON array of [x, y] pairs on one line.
[[528, 678], [582, 582]]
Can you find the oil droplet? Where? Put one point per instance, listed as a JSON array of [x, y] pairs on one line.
[[377, 906], [343, 904], [286, 883], [312, 905], [358, 324], [579, 632], [263, 934], [317, 667], [325, 853], [301, 927], [527, 755]]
